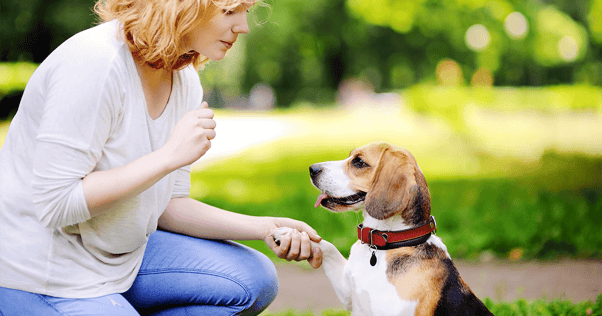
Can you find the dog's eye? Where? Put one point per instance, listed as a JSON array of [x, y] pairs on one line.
[[359, 163]]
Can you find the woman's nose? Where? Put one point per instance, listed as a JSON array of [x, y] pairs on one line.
[[241, 26]]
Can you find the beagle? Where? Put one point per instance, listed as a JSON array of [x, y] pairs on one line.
[[397, 267]]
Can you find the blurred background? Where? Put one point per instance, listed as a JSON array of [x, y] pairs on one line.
[[499, 100]]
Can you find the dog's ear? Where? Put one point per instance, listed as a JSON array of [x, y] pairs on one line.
[[421, 200], [398, 186], [391, 186]]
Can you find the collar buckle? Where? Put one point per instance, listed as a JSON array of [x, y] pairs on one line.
[[433, 225], [378, 233]]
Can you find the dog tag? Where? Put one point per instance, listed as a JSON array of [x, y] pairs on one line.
[[373, 259]]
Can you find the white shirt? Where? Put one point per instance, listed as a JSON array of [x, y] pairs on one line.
[[83, 110]]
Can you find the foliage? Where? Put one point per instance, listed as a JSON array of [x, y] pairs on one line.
[[3, 130], [14, 76], [31, 29], [396, 43], [518, 308], [306, 49]]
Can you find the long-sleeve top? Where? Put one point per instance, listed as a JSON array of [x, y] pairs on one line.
[[83, 110]]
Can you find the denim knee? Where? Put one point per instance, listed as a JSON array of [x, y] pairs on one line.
[[263, 285]]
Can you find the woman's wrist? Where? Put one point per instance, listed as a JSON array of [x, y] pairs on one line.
[[166, 160], [266, 225]]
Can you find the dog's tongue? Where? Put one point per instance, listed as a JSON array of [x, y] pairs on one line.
[[320, 198]]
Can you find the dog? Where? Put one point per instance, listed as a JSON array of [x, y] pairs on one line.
[[397, 267]]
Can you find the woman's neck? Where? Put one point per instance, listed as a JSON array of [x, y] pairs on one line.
[[157, 85]]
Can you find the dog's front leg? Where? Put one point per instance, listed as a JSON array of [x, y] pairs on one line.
[[334, 265]]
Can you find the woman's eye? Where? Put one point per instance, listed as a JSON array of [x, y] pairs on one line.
[[359, 163], [227, 12]]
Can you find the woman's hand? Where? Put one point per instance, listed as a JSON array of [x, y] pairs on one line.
[[191, 137], [297, 245]]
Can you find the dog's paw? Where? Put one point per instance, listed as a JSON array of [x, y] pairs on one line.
[[327, 248], [282, 231]]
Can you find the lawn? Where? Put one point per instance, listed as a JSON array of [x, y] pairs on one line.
[[551, 211], [529, 204], [518, 308]]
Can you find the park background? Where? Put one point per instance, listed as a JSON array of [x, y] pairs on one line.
[[499, 100]]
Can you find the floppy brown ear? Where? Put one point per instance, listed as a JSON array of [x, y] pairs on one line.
[[392, 182], [420, 204]]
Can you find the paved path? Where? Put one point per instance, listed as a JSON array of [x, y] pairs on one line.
[[302, 288]]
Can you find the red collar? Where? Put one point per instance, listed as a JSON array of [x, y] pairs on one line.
[[394, 239]]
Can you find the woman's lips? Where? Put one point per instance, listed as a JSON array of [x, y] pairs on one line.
[[227, 44]]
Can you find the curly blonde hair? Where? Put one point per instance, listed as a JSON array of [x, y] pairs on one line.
[[154, 29]]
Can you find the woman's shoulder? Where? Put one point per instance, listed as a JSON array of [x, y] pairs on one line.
[[98, 46], [98, 39]]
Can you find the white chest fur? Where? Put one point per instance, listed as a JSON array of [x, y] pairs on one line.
[[372, 294]]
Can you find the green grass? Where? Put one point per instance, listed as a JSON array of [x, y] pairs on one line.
[[450, 103], [550, 209], [545, 308], [518, 308]]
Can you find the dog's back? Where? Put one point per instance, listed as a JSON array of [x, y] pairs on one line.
[[456, 296], [426, 274]]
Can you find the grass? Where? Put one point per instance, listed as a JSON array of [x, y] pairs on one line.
[[451, 102], [518, 308], [551, 211]]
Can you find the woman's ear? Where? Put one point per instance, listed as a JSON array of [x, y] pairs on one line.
[[391, 185]]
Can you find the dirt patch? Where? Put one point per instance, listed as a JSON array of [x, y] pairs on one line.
[[303, 288]]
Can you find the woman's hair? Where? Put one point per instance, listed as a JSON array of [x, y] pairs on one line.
[[154, 28]]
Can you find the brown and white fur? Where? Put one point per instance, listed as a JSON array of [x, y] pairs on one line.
[[387, 183]]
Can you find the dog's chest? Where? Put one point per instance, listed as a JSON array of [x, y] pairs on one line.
[[372, 293]]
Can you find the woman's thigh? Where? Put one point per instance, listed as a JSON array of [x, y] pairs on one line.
[[181, 274], [17, 303]]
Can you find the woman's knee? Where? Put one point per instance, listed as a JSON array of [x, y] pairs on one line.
[[262, 282], [203, 272]]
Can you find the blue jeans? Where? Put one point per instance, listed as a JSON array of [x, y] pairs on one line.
[[180, 275]]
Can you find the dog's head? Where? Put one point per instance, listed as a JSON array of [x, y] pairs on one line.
[[385, 179]]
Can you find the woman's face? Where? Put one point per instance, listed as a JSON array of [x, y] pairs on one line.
[[214, 37]]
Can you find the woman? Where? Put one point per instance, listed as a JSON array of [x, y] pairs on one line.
[[98, 158]]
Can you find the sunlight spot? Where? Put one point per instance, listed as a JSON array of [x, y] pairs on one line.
[[477, 37], [449, 73], [516, 25], [236, 189], [568, 48], [483, 77]]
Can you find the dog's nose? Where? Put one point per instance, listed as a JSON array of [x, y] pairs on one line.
[[315, 170]]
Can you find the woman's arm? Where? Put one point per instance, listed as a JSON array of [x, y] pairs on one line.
[[190, 217], [189, 140]]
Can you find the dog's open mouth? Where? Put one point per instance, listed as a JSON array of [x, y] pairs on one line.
[[330, 202]]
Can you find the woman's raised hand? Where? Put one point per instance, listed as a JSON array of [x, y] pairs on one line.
[[191, 137]]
